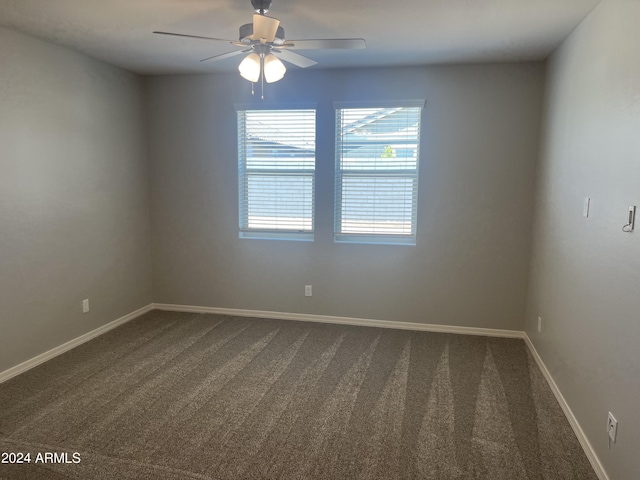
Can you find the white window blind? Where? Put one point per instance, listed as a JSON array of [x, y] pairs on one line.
[[377, 159], [276, 165]]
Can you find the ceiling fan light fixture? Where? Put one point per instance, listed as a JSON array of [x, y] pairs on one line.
[[250, 68], [262, 37], [274, 69]]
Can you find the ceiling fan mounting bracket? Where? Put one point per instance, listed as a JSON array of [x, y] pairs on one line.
[[261, 6]]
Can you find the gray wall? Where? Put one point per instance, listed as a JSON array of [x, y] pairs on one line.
[[585, 280], [470, 264], [74, 208]]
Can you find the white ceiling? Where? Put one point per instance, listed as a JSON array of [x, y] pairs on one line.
[[397, 32]]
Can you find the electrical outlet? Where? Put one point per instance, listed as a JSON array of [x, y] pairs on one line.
[[85, 305], [612, 427], [539, 324], [307, 291]]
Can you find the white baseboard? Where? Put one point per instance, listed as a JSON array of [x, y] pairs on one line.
[[573, 421], [54, 352], [363, 322]]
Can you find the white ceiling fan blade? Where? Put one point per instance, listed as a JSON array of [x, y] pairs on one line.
[[225, 55], [295, 58], [199, 37], [325, 43], [264, 27]]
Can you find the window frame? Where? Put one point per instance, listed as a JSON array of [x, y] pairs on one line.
[[340, 173], [243, 176]]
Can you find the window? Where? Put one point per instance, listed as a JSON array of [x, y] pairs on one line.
[[377, 157], [276, 165]]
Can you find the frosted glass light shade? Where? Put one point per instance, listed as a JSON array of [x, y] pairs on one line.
[[274, 69], [250, 67]]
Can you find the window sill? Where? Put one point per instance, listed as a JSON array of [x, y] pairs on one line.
[[291, 236], [375, 239]]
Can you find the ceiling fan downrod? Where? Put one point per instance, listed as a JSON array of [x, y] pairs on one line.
[[261, 6]]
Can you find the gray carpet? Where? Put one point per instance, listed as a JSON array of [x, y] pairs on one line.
[[188, 396]]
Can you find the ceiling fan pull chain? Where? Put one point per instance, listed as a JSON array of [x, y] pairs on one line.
[[262, 74], [252, 92]]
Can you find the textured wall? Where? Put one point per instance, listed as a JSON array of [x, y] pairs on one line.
[[470, 264], [585, 280], [74, 209]]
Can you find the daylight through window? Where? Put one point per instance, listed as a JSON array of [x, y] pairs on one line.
[[276, 161], [377, 159]]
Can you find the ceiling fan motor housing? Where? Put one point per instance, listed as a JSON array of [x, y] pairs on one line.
[[261, 6]]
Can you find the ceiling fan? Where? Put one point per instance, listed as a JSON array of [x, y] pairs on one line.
[[264, 42]]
